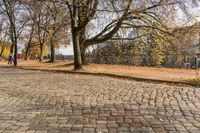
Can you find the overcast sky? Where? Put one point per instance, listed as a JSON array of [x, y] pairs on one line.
[[67, 51]]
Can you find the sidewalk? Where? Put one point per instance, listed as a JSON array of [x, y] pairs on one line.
[[168, 75]]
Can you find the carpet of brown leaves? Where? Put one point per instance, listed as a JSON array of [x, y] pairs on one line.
[[170, 74]]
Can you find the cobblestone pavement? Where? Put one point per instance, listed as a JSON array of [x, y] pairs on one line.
[[41, 102]]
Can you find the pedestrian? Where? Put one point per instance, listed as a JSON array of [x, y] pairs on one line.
[[10, 58]]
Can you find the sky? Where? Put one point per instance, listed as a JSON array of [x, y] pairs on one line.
[[194, 12], [66, 51]]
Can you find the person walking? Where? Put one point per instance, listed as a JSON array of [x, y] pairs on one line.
[[10, 58]]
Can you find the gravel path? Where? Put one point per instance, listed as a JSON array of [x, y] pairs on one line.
[[40, 102]]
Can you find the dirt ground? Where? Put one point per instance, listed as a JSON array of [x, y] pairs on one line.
[[169, 74]]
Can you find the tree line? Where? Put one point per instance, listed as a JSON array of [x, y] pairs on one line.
[[85, 22]]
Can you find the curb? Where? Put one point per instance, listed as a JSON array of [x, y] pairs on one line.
[[124, 77]]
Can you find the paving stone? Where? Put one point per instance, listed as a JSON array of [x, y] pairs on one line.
[[87, 130], [77, 127], [37, 102]]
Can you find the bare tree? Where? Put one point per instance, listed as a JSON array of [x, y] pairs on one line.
[[39, 25], [117, 14], [92, 21], [11, 8], [56, 33], [31, 25]]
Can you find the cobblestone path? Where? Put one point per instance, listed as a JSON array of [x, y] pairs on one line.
[[41, 102]]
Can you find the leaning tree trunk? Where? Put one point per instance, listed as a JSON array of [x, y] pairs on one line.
[[29, 42], [41, 53], [52, 52], [77, 51], [27, 51]]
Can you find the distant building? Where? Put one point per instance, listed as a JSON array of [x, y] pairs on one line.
[[189, 44]]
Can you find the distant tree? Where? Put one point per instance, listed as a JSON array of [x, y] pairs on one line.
[[46, 25], [31, 25], [11, 9], [56, 33]]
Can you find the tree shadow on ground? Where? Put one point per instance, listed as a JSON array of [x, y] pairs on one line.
[[71, 64], [65, 65]]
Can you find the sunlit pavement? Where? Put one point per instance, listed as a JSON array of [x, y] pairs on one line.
[[40, 102]]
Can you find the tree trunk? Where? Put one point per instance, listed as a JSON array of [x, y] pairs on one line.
[[52, 53], [15, 54], [27, 51], [2, 50], [29, 42], [77, 51], [82, 39], [41, 53], [83, 50], [26, 56], [11, 48]]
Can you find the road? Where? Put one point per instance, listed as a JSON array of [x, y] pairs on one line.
[[41, 102]]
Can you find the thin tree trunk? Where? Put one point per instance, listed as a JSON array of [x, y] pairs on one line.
[[11, 48], [52, 53], [15, 53], [29, 42], [27, 51], [28, 48], [41, 53], [2, 50], [77, 51]]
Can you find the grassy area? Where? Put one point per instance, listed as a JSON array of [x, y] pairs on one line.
[[158, 73]]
